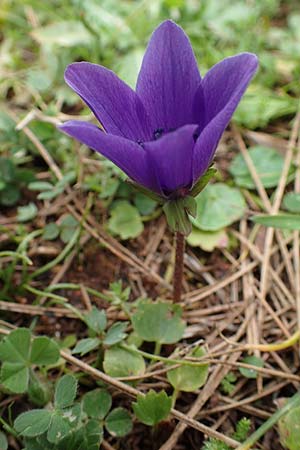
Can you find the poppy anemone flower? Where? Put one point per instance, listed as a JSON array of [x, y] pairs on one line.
[[164, 134]]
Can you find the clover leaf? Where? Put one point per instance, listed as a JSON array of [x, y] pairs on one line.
[[125, 220], [189, 378], [153, 407], [218, 206], [158, 322], [120, 362], [18, 352], [118, 422], [268, 165]]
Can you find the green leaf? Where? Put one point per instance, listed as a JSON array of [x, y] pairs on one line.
[[116, 333], [39, 391], [260, 105], [64, 34], [44, 351], [9, 195], [26, 213], [291, 202], [65, 391], [289, 429], [97, 403], [33, 423], [3, 441], [40, 186], [268, 164], [96, 320], [144, 204], [58, 428], [284, 221], [49, 195], [189, 378], [16, 346], [119, 362], [7, 170], [118, 422], [208, 240], [253, 361], [15, 377], [86, 345], [218, 206], [51, 231], [125, 220], [68, 227], [153, 407], [88, 437], [158, 322], [24, 176]]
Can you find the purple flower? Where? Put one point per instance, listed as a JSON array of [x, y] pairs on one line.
[[164, 135]]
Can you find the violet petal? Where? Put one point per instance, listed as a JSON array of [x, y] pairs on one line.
[[114, 103], [127, 155], [223, 87], [169, 78], [171, 158]]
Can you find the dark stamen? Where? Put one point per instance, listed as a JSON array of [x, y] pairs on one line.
[[158, 133], [140, 142], [195, 136]]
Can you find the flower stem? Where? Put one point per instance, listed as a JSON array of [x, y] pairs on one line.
[[178, 270]]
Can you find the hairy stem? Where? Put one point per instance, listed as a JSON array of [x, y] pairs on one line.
[[178, 270]]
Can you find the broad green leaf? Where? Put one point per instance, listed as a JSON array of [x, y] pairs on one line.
[[58, 428], [64, 34], [268, 164], [189, 378], [86, 345], [144, 204], [89, 437], [153, 407], [15, 377], [51, 231], [44, 351], [119, 362], [116, 333], [118, 422], [26, 213], [24, 176], [33, 423], [97, 403], [260, 105], [283, 221], [16, 346], [207, 240], [158, 322], [3, 441], [39, 391], [253, 361], [291, 202], [65, 391], [96, 320], [289, 429], [9, 195], [68, 227], [7, 170], [218, 206], [125, 220]]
